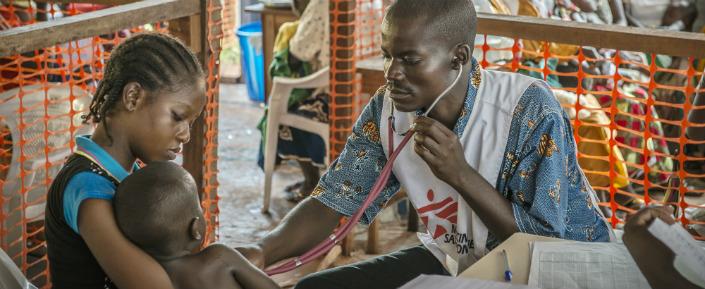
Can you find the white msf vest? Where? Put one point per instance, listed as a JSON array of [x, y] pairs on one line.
[[456, 235]]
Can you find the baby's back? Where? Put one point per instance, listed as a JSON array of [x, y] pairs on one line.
[[210, 268], [217, 266]]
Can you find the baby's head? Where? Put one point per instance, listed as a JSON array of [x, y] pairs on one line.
[[157, 208]]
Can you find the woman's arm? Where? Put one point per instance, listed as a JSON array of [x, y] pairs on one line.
[[126, 265]]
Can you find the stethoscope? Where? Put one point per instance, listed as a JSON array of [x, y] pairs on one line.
[[377, 188]]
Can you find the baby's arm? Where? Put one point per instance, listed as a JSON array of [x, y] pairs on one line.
[[246, 274]]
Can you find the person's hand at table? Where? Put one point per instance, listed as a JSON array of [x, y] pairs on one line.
[[654, 258]]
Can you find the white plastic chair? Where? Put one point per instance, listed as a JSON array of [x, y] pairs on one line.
[[10, 275], [278, 115], [33, 112]]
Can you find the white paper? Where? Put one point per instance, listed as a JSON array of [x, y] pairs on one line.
[[583, 265], [447, 282], [690, 257]]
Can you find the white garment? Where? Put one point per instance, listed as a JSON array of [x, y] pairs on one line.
[[648, 12], [456, 235], [311, 42], [540, 5], [494, 55]]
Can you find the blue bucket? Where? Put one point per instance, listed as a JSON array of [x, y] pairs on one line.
[[250, 36]]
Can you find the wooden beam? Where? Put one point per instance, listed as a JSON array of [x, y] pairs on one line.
[[100, 2], [45, 34], [597, 35]]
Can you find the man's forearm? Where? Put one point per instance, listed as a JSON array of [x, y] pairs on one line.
[[304, 227], [494, 210]]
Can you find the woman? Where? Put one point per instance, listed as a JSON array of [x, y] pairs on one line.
[[301, 48]]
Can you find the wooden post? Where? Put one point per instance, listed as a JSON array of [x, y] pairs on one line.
[[342, 19], [191, 30], [373, 238], [200, 154]]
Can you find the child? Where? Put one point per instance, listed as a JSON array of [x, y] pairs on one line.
[[152, 91], [157, 209]]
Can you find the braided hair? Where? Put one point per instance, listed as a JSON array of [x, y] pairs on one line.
[[155, 60]]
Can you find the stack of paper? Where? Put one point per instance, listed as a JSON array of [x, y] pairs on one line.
[[447, 282], [569, 265]]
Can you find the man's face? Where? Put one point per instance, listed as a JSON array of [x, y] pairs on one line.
[[417, 63]]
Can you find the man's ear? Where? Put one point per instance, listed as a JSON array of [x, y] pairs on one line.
[[133, 96], [195, 228], [461, 55]]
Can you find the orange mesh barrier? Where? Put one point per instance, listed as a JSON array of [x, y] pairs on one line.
[[342, 73], [210, 161], [628, 110], [229, 22], [43, 94]]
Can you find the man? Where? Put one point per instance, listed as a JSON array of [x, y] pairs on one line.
[[495, 156]]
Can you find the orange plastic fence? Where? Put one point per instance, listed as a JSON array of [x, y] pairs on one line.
[[43, 94], [629, 116]]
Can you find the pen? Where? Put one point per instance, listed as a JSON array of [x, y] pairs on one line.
[[669, 190], [507, 271]]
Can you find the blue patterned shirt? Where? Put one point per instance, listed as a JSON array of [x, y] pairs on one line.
[[539, 174]]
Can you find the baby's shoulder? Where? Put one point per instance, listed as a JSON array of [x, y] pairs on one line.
[[213, 267], [220, 252]]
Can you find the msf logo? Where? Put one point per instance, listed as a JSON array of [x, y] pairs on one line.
[[440, 217]]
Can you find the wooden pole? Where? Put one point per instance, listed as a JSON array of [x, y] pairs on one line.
[[191, 30], [342, 33]]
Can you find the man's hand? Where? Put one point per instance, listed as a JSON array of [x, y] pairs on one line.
[[254, 254], [440, 148]]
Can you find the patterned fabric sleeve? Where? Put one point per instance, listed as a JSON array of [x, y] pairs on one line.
[[540, 184], [547, 189], [350, 178]]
